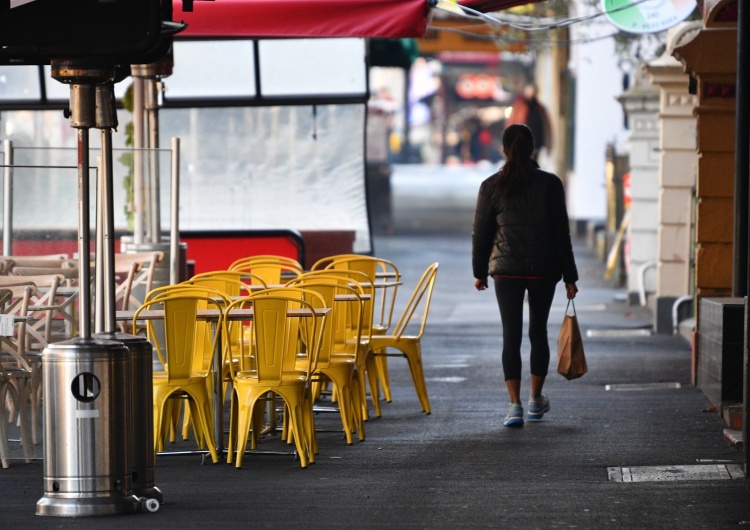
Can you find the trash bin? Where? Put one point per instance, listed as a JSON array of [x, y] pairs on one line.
[[142, 460], [87, 416]]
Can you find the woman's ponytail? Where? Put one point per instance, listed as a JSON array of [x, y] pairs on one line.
[[518, 144]]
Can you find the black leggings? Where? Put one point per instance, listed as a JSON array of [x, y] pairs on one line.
[[510, 296]]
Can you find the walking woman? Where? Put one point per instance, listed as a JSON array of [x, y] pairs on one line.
[[521, 238]]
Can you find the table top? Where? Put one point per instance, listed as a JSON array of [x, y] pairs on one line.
[[213, 314]]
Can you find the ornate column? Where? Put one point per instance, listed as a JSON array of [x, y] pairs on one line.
[[641, 105], [678, 161]]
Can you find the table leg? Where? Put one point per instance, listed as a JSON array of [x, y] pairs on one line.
[[218, 397]]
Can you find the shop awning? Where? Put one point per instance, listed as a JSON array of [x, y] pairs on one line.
[[388, 19], [304, 18]]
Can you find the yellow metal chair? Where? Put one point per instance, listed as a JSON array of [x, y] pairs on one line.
[[273, 269], [291, 263], [409, 346], [187, 366], [204, 355], [232, 284], [340, 346], [361, 282], [385, 278], [277, 334]]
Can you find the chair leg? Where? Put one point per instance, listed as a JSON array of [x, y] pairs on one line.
[[345, 411], [341, 376], [372, 375], [244, 411], [36, 402], [383, 378], [413, 353], [357, 406], [4, 449], [309, 427], [24, 406], [199, 414], [298, 419], [231, 442], [362, 387], [186, 421]]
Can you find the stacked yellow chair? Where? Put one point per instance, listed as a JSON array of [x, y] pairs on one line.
[[385, 278], [340, 346], [361, 282], [277, 335], [272, 269], [186, 355]]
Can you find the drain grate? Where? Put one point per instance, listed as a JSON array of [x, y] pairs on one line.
[[669, 473], [449, 379], [642, 386], [618, 333]]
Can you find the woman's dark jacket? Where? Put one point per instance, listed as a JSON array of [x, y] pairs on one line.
[[525, 233]]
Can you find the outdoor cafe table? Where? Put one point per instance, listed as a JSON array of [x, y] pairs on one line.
[[212, 315]]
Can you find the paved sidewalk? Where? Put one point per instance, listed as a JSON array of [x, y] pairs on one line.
[[459, 467]]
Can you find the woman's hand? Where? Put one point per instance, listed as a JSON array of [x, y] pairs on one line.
[[481, 285], [571, 290]]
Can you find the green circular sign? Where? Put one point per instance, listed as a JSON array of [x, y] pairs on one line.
[[651, 16]]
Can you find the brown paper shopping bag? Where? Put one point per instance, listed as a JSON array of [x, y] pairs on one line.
[[571, 361]]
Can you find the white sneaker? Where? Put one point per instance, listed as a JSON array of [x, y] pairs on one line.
[[537, 407], [515, 415]]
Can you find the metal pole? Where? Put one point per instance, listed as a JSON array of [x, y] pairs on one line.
[[84, 260], [152, 112], [138, 198], [106, 119], [742, 172], [98, 273], [108, 230], [174, 230], [741, 167], [8, 199]]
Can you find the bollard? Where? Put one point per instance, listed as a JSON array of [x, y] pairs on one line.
[[87, 468]]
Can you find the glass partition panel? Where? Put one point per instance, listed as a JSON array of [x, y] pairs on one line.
[[284, 167], [45, 197], [44, 200]]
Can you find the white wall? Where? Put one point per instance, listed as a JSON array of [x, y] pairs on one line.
[[598, 116]]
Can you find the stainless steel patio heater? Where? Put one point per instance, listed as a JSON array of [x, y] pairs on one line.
[[86, 379]]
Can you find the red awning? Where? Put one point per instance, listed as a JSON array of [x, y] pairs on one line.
[[387, 19], [303, 18]]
